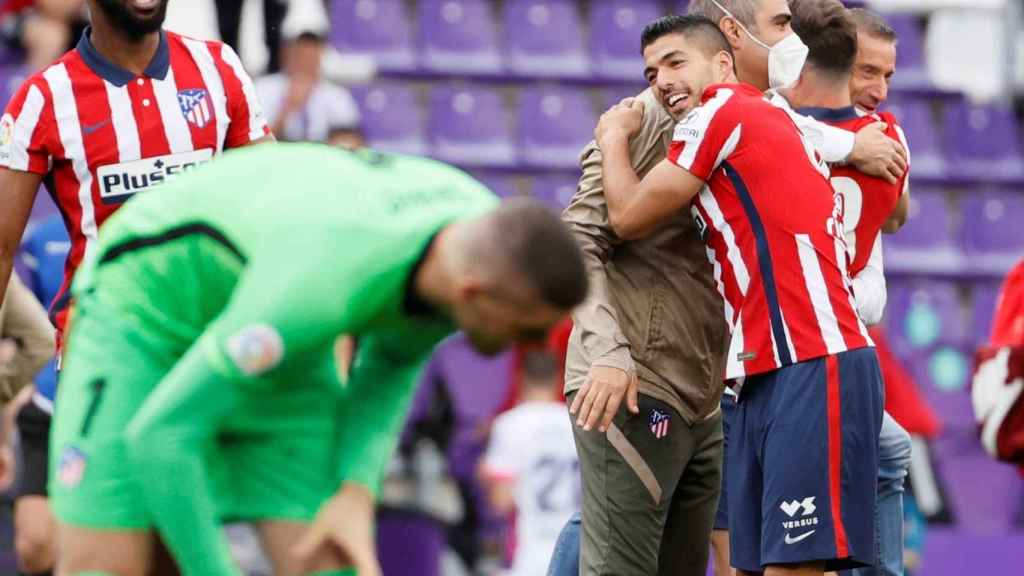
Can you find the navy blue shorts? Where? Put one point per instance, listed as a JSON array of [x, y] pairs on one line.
[[803, 464], [728, 413]]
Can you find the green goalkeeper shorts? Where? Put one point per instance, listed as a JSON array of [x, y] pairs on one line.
[[274, 459]]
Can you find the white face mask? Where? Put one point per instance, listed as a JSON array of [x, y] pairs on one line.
[[785, 59]]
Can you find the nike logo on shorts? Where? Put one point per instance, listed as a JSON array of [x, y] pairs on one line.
[[798, 538]]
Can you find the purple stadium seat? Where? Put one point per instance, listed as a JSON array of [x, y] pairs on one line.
[[945, 372], [554, 123], [503, 186], [992, 237], [478, 386], [556, 190], [392, 118], [544, 38], [458, 36], [407, 539], [955, 551], [683, 7], [983, 306], [43, 207], [926, 158], [11, 78], [911, 71], [926, 243], [982, 143], [615, 27], [379, 28], [923, 314], [985, 495], [469, 126], [612, 96]]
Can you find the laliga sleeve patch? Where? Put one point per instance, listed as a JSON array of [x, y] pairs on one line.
[[6, 136], [256, 348]]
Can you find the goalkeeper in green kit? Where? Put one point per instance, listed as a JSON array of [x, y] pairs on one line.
[[200, 382]]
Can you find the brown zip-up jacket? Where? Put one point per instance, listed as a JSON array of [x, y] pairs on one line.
[[23, 320], [653, 309]]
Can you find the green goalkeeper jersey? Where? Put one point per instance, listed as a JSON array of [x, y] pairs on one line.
[[312, 243]]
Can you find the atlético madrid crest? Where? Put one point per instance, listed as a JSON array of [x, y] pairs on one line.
[[659, 423], [196, 106]]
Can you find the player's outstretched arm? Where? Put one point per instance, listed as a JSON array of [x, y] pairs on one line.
[[869, 287], [380, 391], [637, 207], [24, 322], [18, 189], [165, 441]]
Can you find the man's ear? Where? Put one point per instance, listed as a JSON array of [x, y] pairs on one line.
[[724, 66], [733, 33], [468, 288]]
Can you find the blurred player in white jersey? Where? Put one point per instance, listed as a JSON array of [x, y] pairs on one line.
[[530, 467]]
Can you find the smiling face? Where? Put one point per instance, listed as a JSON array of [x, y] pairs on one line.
[[872, 72], [678, 70]]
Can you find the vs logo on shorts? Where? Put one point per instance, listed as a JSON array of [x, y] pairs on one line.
[[659, 422]]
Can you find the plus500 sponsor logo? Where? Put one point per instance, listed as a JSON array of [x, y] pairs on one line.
[[118, 182]]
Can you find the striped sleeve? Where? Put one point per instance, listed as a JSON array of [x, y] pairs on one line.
[[24, 129], [699, 139], [895, 126], [247, 121]]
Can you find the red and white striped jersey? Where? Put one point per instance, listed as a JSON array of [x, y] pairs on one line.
[[99, 134], [770, 223], [866, 201]]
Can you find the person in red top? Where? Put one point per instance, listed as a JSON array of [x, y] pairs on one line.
[[805, 435], [998, 387], [837, 42], [129, 108]]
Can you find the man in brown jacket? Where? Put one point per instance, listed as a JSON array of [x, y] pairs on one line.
[[653, 326], [26, 339]]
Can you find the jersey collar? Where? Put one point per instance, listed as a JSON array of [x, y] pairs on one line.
[[412, 303], [113, 73], [830, 114], [739, 87]]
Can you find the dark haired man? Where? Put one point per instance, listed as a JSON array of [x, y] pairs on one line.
[[226, 402], [798, 352], [826, 91]]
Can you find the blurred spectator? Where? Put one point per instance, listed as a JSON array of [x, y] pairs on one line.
[[530, 467], [557, 344], [229, 21], [44, 28], [300, 104], [43, 253], [998, 387], [26, 339]]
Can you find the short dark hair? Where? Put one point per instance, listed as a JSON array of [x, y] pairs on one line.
[[542, 249], [873, 24], [828, 31], [698, 28], [539, 365]]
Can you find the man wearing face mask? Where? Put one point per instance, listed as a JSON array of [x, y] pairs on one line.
[[769, 55]]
